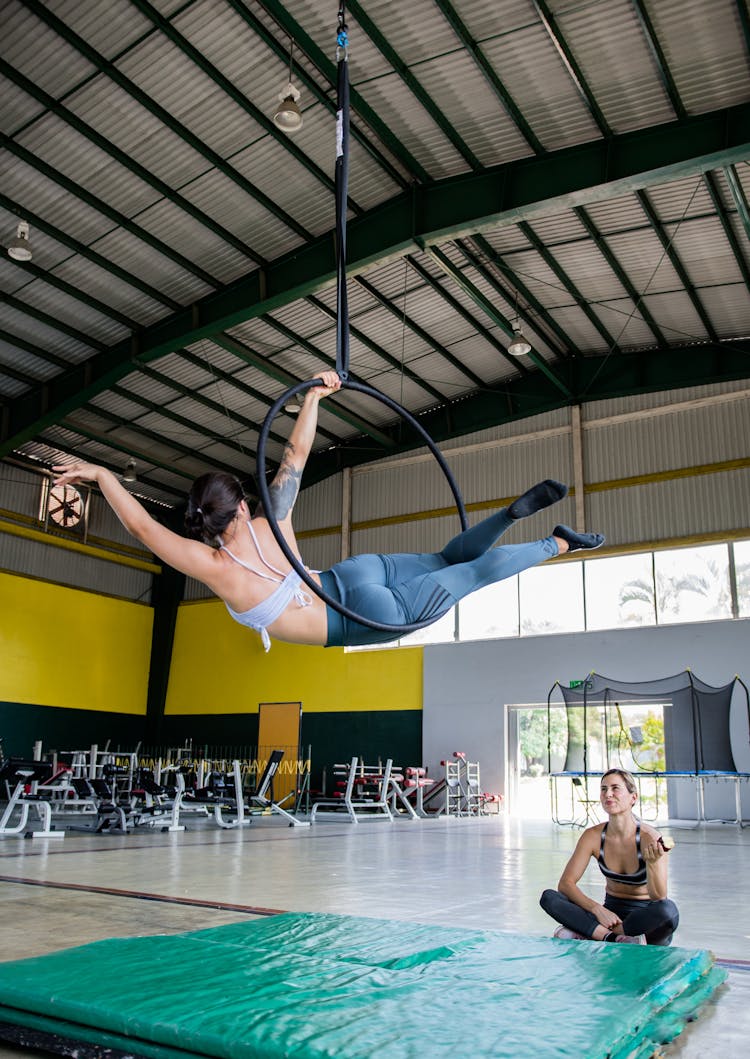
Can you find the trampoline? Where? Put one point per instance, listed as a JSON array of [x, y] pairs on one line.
[[699, 744], [309, 986]]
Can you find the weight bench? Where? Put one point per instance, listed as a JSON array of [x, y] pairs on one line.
[[24, 777], [258, 801]]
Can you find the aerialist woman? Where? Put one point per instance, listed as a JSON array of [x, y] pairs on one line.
[[633, 858], [237, 557]]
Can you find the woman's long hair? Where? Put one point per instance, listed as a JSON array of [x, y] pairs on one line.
[[212, 504]]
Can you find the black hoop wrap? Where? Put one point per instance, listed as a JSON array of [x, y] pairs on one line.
[[265, 496]]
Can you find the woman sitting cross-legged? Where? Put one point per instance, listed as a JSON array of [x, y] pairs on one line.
[[633, 858]]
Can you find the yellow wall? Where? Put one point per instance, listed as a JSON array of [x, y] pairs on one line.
[[65, 647], [220, 667]]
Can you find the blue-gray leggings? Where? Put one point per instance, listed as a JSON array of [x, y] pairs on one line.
[[406, 588], [656, 919]]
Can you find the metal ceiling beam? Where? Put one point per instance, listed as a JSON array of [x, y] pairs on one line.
[[660, 60], [110, 70], [54, 323], [384, 46], [740, 199], [604, 249], [47, 276], [227, 86], [477, 246], [28, 347], [236, 384], [112, 443], [194, 395], [285, 377], [83, 457], [164, 440], [674, 258], [600, 377], [446, 210], [278, 11], [174, 417], [475, 50], [119, 219], [125, 160], [86, 252], [498, 318], [457, 307], [567, 282], [744, 17], [723, 215], [369, 343], [569, 61]]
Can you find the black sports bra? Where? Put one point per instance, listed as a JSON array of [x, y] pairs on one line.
[[637, 878]]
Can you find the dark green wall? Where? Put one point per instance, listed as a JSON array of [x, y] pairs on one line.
[[22, 724], [335, 737]]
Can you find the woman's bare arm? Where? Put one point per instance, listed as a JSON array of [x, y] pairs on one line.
[[188, 556], [286, 483]]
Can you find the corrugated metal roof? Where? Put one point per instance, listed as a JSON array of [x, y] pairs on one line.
[[149, 199]]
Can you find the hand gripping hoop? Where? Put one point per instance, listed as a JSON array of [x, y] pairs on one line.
[[265, 495]]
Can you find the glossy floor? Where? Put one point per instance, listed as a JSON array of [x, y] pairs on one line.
[[485, 873]]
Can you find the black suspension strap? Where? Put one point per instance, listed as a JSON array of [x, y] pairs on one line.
[[342, 357]]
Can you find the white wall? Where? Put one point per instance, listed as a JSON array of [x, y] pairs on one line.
[[467, 686]]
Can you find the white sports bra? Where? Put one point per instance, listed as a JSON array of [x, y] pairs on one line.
[[268, 610]]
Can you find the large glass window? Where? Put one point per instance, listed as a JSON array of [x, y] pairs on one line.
[[551, 599], [692, 584], [490, 613], [619, 592], [742, 573]]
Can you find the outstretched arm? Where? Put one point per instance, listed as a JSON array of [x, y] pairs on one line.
[[190, 557], [285, 485]]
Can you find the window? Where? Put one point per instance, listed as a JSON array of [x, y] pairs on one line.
[[692, 584], [619, 592], [551, 599], [742, 573], [490, 613]]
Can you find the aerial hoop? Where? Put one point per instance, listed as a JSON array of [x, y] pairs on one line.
[[265, 496], [342, 355]]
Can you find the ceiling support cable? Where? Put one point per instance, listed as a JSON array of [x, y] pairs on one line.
[[568, 283], [674, 259], [606, 252]]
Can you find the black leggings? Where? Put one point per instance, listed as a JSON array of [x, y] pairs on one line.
[[656, 919]]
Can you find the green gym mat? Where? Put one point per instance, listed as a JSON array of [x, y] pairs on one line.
[[299, 986]]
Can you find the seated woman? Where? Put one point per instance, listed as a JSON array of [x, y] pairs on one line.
[[238, 558], [632, 858]]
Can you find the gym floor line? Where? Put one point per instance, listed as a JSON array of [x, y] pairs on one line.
[[142, 895]]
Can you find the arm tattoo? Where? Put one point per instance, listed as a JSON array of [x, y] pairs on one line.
[[285, 486]]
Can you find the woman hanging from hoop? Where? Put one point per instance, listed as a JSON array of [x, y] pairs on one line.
[[236, 555]]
